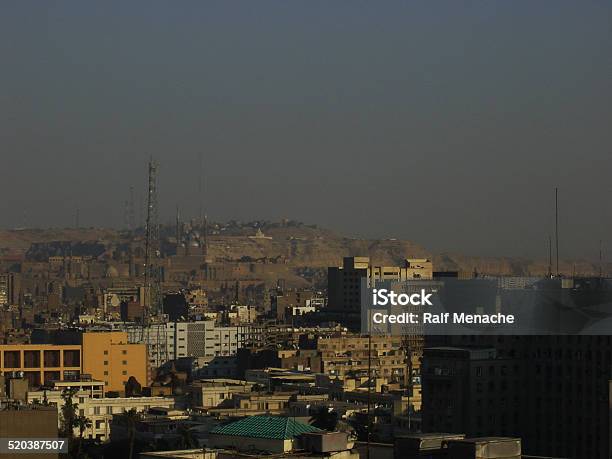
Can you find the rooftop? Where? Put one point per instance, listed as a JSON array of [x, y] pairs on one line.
[[270, 427]]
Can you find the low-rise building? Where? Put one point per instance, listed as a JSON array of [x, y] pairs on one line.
[[158, 426], [41, 363], [92, 404], [217, 393], [267, 434], [350, 355]]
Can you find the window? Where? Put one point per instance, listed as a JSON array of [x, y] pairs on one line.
[[124, 372], [106, 362], [124, 362], [124, 352], [105, 352]]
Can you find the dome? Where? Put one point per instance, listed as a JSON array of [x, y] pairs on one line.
[[111, 271]]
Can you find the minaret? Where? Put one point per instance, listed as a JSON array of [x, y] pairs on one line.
[[178, 229], [205, 237]]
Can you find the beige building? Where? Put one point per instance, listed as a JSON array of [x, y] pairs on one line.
[[344, 284], [348, 356], [217, 393], [255, 403], [96, 407]]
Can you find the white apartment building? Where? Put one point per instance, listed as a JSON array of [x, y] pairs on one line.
[[92, 404]]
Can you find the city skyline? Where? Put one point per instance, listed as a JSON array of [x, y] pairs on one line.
[[347, 229]]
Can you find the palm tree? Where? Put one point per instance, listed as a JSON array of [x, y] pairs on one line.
[[130, 417], [324, 419], [406, 346], [187, 440], [69, 412], [83, 423], [359, 424]]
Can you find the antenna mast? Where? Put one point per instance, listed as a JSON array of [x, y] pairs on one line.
[[152, 250], [600, 258], [152, 312], [549, 256], [557, 227], [201, 191]]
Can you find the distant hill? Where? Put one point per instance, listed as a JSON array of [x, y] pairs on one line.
[[24, 238], [308, 246]]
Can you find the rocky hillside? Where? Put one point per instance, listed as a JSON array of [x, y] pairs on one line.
[[307, 246]]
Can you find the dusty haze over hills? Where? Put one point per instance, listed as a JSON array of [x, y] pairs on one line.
[[314, 247]]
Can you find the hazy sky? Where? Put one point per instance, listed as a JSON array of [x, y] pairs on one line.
[[448, 123]]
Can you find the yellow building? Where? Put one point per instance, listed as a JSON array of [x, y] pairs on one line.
[[108, 357], [41, 363]]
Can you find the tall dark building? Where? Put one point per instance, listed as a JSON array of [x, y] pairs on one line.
[[175, 305], [552, 391]]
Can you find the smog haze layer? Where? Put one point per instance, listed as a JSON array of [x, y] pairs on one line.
[[449, 124]]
